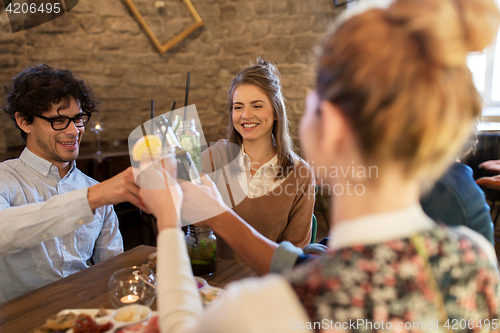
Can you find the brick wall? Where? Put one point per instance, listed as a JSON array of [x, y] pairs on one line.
[[100, 41]]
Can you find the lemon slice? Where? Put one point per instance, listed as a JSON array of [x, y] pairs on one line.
[[187, 143], [149, 144]]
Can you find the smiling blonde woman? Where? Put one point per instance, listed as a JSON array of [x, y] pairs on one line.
[[255, 169]]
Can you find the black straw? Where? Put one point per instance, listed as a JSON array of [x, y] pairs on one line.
[[148, 146], [172, 107], [152, 114], [187, 94]]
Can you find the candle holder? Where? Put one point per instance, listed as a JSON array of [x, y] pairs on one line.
[[133, 285], [97, 128]]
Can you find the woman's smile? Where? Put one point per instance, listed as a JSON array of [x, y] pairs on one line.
[[253, 114], [249, 126]]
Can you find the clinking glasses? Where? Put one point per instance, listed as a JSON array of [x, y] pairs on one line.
[[60, 123]]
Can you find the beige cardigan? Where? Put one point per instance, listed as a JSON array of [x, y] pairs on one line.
[[283, 214]]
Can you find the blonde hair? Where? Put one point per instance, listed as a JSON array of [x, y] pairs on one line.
[[399, 76], [266, 76]]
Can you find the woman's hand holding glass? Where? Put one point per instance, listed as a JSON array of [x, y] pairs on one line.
[[161, 194], [201, 202]]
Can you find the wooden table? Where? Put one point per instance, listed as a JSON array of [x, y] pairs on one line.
[[89, 289]]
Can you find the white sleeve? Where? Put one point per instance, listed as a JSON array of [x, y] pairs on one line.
[[257, 305], [253, 305], [178, 299]]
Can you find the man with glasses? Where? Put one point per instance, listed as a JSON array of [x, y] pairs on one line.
[[54, 219]]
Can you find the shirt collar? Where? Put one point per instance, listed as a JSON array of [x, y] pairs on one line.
[[244, 161], [381, 227], [40, 164]]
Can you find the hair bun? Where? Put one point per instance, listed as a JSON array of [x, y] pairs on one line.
[[262, 62], [447, 29], [268, 65]]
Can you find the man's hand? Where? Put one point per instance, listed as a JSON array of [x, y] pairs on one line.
[[120, 188], [493, 166]]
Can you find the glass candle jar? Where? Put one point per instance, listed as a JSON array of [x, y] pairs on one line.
[[202, 248], [133, 285]]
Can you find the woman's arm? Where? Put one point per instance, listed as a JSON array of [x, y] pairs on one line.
[[178, 301], [255, 249]]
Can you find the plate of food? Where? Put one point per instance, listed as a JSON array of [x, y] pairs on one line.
[[131, 318], [208, 293], [151, 262], [200, 283]]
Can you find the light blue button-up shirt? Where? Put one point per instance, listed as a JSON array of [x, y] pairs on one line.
[[47, 229]]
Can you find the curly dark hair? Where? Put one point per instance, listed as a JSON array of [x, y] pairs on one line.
[[33, 91]]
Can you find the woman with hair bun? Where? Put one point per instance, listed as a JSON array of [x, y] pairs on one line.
[[256, 170], [393, 91]]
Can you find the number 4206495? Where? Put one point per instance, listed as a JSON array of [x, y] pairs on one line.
[[32, 8], [455, 324]]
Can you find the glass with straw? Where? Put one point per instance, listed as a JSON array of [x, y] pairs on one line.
[[189, 139]]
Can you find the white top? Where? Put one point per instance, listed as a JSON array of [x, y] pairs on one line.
[[267, 304], [262, 182]]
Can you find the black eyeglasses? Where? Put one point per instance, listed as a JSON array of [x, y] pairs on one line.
[[60, 123]]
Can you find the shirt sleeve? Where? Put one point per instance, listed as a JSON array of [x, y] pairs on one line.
[[299, 228], [457, 200], [213, 170], [288, 256], [284, 257], [110, 241], [31, 224], [248, 307]]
